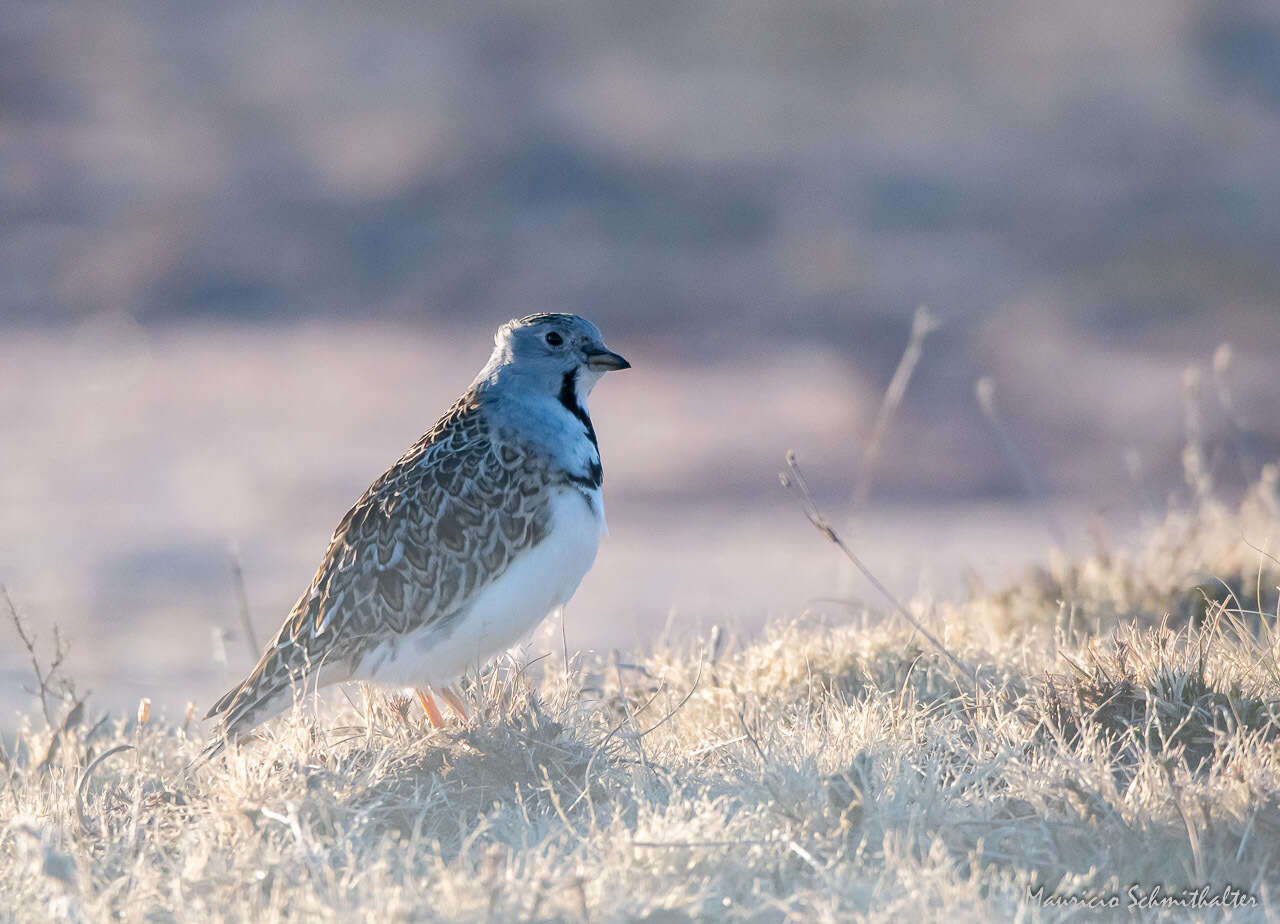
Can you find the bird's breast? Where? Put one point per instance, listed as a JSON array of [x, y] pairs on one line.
[[539, 579]]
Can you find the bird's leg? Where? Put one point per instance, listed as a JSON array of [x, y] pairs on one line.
[[430, 708], [459, 709]]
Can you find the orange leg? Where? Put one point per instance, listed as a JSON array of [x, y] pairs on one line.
[[430, 708], [459, 709]]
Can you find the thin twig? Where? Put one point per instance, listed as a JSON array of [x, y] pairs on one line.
[[626, 708], [1260, 552], [29, 643], [242, 603], [742, 720], [680, 705], [564, 644], [794, 480], [985, 391], [586, 775], [1223, 359], [1195, 467], [922, 325], [586, 778]]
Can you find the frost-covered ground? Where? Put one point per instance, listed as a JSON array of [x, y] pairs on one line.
[[1116, 742]]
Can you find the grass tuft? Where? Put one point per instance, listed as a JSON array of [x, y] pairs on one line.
[[1118, 733]]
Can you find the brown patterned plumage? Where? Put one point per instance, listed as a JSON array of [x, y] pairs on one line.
[[416, 550]]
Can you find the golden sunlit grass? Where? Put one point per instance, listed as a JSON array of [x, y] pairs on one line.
[[1122, 730]]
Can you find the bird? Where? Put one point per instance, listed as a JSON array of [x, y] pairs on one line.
[[486, 524]]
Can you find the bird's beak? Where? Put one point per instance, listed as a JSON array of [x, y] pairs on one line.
[[603, 360]]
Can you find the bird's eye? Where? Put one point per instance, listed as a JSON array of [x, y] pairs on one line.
[[554, 339]]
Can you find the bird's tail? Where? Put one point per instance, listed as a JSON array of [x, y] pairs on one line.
[[266, 692]]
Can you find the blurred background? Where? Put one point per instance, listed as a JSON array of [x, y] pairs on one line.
[[249, 251]]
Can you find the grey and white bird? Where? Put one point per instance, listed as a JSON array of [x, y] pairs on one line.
[[483, 527]]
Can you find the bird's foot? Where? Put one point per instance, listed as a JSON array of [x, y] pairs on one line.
[[455, 703], [430, 708]]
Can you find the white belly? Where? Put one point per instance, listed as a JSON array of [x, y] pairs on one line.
[[538, 581]]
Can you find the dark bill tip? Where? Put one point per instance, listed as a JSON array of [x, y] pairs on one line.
[[606, 360]]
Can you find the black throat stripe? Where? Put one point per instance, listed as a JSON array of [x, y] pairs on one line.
[[569, 398]]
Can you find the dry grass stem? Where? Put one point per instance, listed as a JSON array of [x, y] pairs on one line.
[[985, 392], [923, 323]]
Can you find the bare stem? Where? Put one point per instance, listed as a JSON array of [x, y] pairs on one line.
[[242, 603], [794, 480], [1195, 466], [1223, 359], [43, 677], [985, 391], [922, 325]]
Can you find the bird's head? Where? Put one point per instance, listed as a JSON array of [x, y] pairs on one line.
[[551, 352]]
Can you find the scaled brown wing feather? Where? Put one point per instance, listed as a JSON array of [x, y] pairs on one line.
[[443, 521]]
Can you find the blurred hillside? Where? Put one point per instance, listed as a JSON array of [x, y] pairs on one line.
[[1087, 193], [805, 170]]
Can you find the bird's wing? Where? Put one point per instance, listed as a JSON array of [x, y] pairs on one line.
[[436, 527]]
